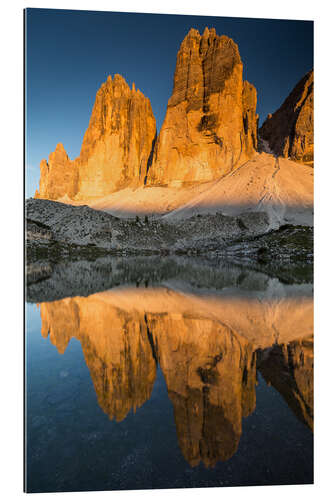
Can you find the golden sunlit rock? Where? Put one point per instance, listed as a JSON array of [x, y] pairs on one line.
[[210, 125], [115, 148], [58, 176]]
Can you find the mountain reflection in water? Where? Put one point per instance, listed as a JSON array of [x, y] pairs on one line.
[[209, 347]]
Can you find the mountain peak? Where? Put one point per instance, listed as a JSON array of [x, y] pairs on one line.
[[211, 123], [60, 148], [289, 131], [115, 148]]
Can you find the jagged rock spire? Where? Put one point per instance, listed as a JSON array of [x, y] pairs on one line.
[[115, 148], [211, 124]]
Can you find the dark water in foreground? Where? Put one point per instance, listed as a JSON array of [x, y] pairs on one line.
[[168, 386]]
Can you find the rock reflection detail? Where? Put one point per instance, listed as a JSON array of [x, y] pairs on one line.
[[209, 348], [115, 345]]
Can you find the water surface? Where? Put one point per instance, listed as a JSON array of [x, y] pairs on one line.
[[186, 380]]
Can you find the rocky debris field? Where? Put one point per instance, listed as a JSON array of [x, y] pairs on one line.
[[57, 228]]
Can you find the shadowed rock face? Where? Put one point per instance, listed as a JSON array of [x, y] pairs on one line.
[[289, 131], [115, 149], [205, 349], [211, 123], [289, 368]]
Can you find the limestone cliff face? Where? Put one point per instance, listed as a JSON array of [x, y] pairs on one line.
[[289, 131], [211, 123], [210, 127], [115, 151], [118, 142], [58, 176]]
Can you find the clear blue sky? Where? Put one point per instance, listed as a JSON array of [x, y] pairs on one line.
[[70, 53]]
